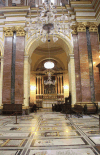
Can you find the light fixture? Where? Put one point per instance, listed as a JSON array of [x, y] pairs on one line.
[[49, 65], [66, 87], [32, 87], [47, 23]]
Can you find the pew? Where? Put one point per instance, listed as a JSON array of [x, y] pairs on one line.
[[12, 108], [78, 110], [91, 108]]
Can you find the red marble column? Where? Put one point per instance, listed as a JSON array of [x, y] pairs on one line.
[[84, 67], [19, 70], [77, 69], [96, 61], [6, 93]]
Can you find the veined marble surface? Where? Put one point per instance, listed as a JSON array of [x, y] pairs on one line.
[[49, 133]]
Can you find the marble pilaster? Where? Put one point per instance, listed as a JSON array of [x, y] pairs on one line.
[[61, 83], [1, 81], [71, 70], [26, 80], [40, 85]]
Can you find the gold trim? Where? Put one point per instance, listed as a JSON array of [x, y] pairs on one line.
[[74, 28], [81, 2], [85, 17], [16, 16], [93, 27], [20, 31], [85, 8], [5, 143], [86, 11], [1, 23], [22, 142], [81, 28], [12, 22], [8, 31], [15, 12], [25, 107], [97, 12], [16, 7]]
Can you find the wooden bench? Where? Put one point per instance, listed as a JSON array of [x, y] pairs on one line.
[[78, 109], [12, 108], [90, 108]]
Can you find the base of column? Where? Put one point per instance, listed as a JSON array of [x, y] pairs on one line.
[[25, 110]]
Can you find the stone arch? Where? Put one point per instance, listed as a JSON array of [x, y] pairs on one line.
[[1, 48], [67, 46], [65, 43]]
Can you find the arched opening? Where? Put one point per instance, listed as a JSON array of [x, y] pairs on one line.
[[39, 53]]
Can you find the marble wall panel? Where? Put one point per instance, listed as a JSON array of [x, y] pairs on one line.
[[84, 67], [7, 70], [77, 69], [96, 61], [19, 70]]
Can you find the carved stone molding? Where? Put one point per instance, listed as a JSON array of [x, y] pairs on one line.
[[8, 31]]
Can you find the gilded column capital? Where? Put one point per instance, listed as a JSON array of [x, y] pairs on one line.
[[74, 28], [93, 27], [20, 32], [8, 31], [81, 27]]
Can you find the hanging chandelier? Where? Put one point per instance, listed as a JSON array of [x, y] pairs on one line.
[[49, 80], [47, 23]]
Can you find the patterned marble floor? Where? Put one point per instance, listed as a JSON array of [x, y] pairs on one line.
[[49, 133]]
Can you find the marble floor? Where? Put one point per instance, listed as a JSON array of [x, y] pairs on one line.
[[49, 133]]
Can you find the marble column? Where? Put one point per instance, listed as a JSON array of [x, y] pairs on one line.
[[19, 70], [58, 86], [37, 84], [26, 80], [1, 80], [6, 96], [77, 68], [95, 59], [30, 61], [72, 85], [19, 65], [84, 67], [61, 83], [40, 85]]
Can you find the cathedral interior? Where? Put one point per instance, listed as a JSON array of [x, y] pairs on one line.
[[49, 77]]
